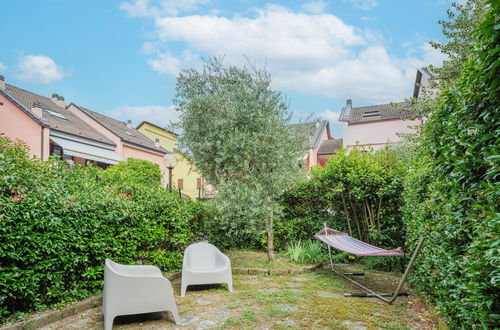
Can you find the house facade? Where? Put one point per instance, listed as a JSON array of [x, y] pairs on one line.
[[129, 142], [48, 128], [184, 175], [76, 134], [321, 145], [377, 125]]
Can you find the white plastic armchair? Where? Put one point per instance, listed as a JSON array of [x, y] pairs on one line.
[[134, 290], [205, 264]]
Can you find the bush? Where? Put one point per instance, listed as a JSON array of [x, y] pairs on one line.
[[58, 225], [304, 213], [451, 191]]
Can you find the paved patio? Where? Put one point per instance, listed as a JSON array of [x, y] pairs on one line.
[[312, 300]]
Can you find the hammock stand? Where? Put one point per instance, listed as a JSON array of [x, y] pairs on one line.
[[343, 242]]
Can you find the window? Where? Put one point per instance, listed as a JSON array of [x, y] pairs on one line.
[[56, 114], [369, 114], [56, 150], [180, 184]]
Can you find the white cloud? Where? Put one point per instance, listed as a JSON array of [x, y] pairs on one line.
[[315, 54], [330, 115], [39, 69], [363, 4], [166, 64], [315, 7], [144, 8], [3, 67], [148, 48], [336, 128], [275, 35], [157, 114], [138, 8]]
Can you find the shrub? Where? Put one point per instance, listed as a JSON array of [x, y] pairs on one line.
[[357, 192], [451, 191], [58, 225]]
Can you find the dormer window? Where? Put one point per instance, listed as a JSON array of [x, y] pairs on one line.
[[370, 114]]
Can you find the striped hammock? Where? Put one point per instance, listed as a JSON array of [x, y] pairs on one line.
[[343, 242]]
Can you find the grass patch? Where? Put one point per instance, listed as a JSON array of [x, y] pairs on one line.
[[293, 301], [253, 259]]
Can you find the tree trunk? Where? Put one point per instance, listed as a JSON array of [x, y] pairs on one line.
[[357, 219], [346, 213], [378, 214], [270, 244]]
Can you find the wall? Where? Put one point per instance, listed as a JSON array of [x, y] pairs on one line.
[[98, 127], [16, 124], [313, 152], [377, 133], [184, 169]]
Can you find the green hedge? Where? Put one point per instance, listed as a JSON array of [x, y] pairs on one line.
[[58, 225], [452, 192]]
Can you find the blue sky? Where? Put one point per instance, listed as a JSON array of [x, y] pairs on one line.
[[121, 57]]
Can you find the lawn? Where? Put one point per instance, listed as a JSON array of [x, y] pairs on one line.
[[312, 300], [252, 259]]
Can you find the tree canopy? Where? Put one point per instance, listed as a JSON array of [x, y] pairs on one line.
[[236, 130]]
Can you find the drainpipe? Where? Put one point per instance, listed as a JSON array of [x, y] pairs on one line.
[[41, 151]]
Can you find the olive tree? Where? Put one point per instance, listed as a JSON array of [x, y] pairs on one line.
[[235, 129]]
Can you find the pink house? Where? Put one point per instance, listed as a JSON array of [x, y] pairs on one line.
[[376, 125], [321, 144], [379, 125], [73, 133], [130, 143], [48, 128]]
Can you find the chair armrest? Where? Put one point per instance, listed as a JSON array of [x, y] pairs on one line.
[[223, 258], [139, 271]]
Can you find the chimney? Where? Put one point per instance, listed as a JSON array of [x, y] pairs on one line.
[[37, 109], [2, 82], [349, 103], [157, 143], [317, 123], [58, 100], [129, 123]]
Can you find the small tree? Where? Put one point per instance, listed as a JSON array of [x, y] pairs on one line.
[[463, 19], [236, 130]]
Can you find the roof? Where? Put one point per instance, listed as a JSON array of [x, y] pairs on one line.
[[67, 121], [127, 134], [399, 110], [149, 123], [329, 147], [312, 131], [41, 121]]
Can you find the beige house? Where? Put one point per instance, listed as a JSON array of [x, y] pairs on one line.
[[184, 176]]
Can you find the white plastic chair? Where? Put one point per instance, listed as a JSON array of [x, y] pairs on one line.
[[205, 264], [134, 290]]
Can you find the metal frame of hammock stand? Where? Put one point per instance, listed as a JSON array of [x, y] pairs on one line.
[[381, 296]]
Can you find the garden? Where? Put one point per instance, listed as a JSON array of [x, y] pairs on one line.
[[60, 223]]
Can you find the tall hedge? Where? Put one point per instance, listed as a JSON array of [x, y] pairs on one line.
[[452, 191], [59, 224]]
